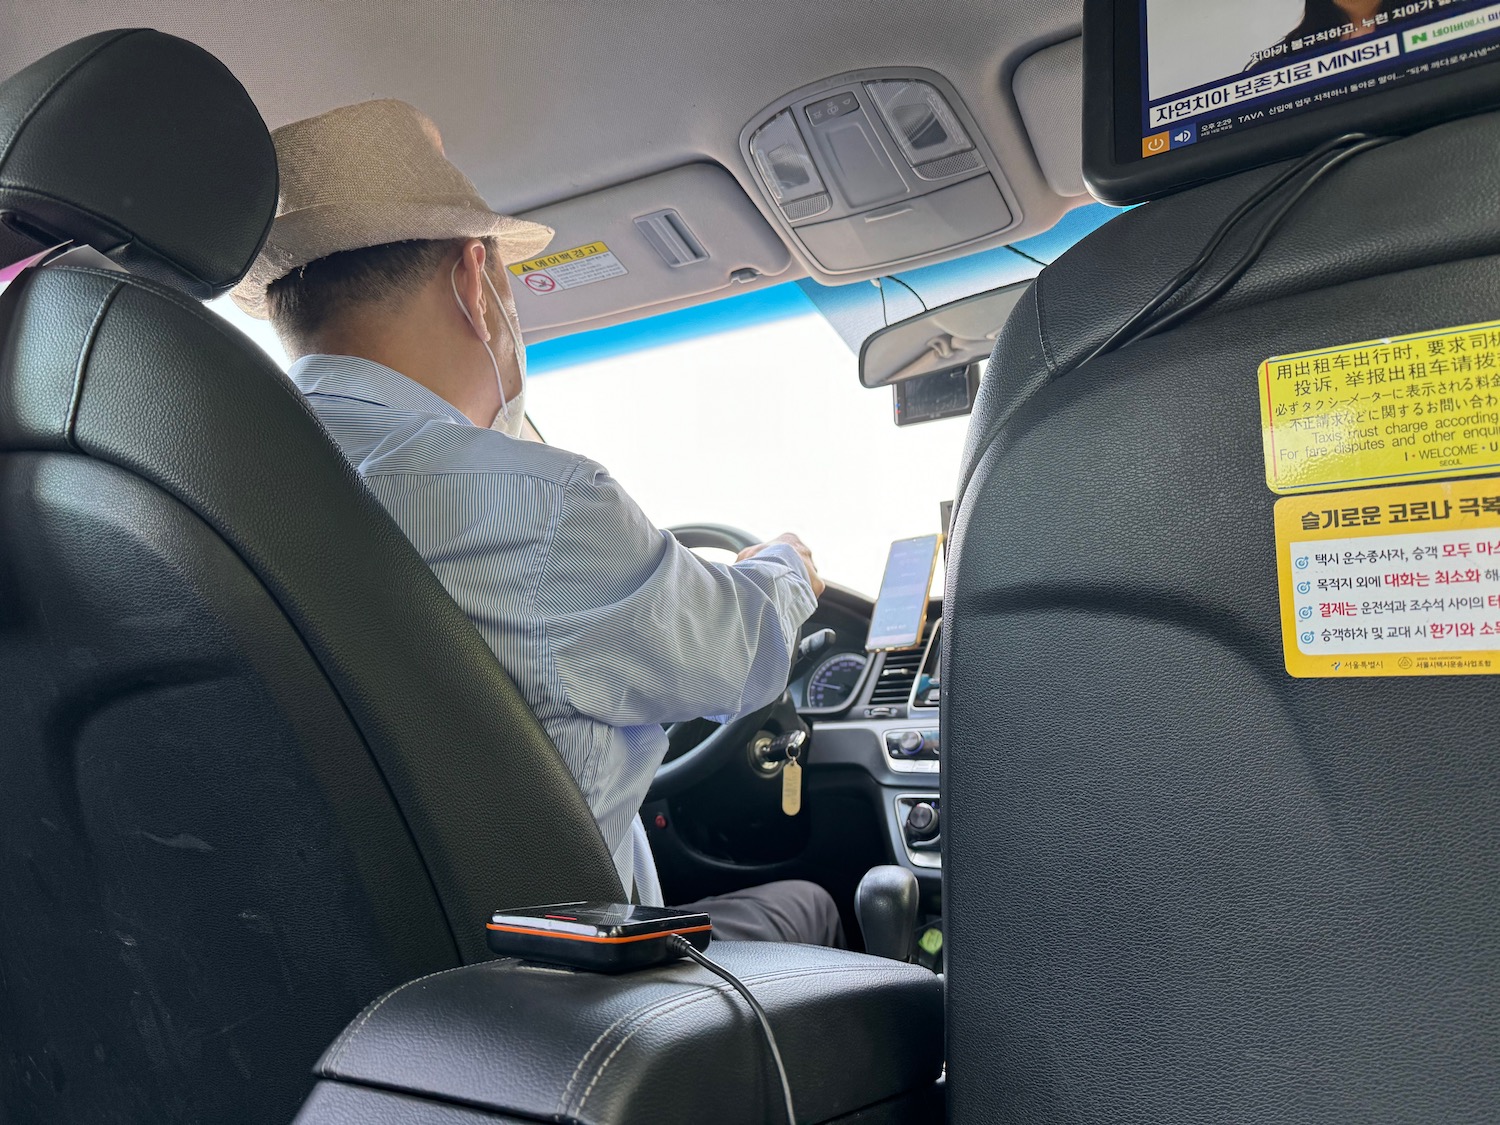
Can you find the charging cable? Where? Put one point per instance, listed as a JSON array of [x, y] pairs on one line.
[[1148, 320], [1322, 160], [688, 949]]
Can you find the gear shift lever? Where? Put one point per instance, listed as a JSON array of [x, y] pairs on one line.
[[886, 906]]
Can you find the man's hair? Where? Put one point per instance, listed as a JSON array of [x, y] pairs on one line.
[[309, 299]]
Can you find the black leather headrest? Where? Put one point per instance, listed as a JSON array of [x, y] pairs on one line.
[[143, 146]]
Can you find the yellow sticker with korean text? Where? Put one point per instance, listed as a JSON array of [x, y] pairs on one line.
[[1409, 408], [568, 269], [1400, 581]]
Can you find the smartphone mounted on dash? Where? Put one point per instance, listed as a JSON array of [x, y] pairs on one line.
[[601, 937], [901, 609]]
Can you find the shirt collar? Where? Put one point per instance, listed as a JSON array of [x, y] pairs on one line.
[[348, 376]]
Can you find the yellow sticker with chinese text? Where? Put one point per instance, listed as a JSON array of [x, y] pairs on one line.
[[1410, 408], [1401, 581]]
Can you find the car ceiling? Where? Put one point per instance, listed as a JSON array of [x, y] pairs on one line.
[[542, 101]]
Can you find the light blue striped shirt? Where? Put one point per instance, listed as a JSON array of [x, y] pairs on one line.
[[608, 626]]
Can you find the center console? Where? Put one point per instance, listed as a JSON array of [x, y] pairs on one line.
[[892, 728], [919, 815], [915, 747], [861, 1038]]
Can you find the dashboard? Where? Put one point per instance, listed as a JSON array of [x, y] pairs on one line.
[[828, 682], [840, 678], [876, 738], [834, 680], [873, 714]]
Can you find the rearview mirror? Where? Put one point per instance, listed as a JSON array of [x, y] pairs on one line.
[[950, 338]]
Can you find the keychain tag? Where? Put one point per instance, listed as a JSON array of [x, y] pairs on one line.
[[791, 787]]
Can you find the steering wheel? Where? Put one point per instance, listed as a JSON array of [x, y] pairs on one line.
[[721, 745], [719, 536]]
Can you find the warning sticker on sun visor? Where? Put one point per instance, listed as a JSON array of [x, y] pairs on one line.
[[1401, 581], [569, 269], [1410, 408]]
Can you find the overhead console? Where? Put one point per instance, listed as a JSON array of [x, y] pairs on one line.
[[875, 170]]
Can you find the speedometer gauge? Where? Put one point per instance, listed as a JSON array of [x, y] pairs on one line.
[[833, 681]]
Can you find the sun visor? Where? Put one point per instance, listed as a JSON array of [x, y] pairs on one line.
[[1049, 94], [654, 244]]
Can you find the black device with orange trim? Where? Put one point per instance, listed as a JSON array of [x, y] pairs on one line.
[[602, 937]]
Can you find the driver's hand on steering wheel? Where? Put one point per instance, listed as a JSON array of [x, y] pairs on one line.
[[795, 544]]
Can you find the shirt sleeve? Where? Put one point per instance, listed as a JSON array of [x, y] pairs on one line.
[[638, 629]]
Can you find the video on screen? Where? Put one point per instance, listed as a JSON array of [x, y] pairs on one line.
[[1215, 66], [1191, 43]]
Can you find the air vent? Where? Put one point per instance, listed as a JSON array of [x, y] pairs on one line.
[[898, 675], [669, 236]]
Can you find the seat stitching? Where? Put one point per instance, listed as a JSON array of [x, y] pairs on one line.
[[603, 1066], [341, 1047], [562, 1099], [637, 1013], [704, 993], [52, 87], [1041, 330], [85, 354], [656, 1012]]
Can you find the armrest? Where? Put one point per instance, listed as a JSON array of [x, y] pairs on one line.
[[669, 1045]]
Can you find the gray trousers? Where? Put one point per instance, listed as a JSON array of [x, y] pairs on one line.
[[791, 910]]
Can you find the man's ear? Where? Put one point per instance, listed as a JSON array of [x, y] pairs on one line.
[[469, 280]]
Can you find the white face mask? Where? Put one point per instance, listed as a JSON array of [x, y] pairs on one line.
[[512, 414]]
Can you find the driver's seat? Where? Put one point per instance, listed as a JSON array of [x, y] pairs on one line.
[[257, 766]]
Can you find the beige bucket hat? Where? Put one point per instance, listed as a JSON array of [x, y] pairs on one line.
[[364, 175]]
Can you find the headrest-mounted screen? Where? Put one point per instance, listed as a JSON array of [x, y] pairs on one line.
[[1177, 92], [144, 147]]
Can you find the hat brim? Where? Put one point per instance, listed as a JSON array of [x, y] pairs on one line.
[[305, 235]]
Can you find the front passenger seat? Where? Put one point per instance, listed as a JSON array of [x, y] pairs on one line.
[[1181, 885], [258, 767]]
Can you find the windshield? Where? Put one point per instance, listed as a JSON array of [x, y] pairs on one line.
[[763, 427], [749, 411]]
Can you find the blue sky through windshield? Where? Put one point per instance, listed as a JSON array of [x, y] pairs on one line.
[[854, 309]]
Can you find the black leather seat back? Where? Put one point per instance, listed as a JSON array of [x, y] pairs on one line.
[[1180, 884], [257, 766]]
